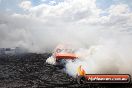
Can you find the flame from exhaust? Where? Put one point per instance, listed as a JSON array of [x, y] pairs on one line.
[[81, 71]]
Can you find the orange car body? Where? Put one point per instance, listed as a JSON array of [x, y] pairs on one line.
[[65, 56], [64, 52]]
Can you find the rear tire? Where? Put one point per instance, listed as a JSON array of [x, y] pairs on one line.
[[81, 80]]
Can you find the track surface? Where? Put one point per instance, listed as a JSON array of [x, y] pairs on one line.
[[30, 70]]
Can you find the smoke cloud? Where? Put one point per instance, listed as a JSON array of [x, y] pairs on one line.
[[103, 37], [110, 56]]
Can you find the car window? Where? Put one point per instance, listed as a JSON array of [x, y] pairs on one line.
[[65, 51]]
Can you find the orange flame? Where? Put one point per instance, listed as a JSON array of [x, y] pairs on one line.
[[81, 71]]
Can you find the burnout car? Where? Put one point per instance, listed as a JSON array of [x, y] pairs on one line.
[[64, 53]]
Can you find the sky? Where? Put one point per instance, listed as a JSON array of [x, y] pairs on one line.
[[37, 24], [13, 4]]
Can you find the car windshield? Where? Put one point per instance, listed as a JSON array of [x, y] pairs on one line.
[[65, 51]]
